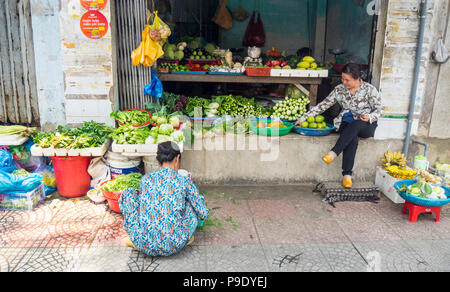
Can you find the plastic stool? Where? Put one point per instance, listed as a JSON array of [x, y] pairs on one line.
[[415, 210]]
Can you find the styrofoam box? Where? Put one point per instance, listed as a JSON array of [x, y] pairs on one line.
[[23, 201], [386, 184], [92, 152], [12, 140], [138, 149], [298, 73]]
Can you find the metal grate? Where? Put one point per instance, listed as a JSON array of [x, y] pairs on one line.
[[131, 17], [18, 93]]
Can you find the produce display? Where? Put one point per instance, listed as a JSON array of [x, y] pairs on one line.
[[308, 63], [128, 134], [316, 122], [209, 107], [393, 159], [239, 106], [222, 126], [91, 134], [164, 133], [132, 117], [424, 190], [123, 182], [273, 125], [291, 108], [428, 177], [166, 66]]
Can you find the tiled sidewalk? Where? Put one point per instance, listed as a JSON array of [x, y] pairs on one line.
[[257, 228]]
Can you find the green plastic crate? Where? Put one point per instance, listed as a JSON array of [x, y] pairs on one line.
[[269, 131]]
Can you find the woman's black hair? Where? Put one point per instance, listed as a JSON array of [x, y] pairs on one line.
[[353, 69], [167, 151]]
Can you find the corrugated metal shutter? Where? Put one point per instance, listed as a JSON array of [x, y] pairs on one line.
[[18, 102], [131, 17]]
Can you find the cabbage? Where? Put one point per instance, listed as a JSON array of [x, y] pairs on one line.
[[161, 120], [177, 136], [174, 121], [213, 105], [162, 139], [165, 129], [150, 140]]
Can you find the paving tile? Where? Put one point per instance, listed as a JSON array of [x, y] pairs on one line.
[[273, 231], [23, 235], [342, 257], [9, 257], [243, 258], [325, 231], [273, 209], [49, 260], [106, 259], [111, 232], [424, 228], [392, 256], [296, 258], [80, 210], [41, 214], [190, 259], [435, 253], [70, 234], [236, 224]]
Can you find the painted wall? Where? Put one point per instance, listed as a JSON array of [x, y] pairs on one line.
[[47, 49], [285, 24]]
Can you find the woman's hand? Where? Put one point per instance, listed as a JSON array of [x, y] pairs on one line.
[[364, 118]]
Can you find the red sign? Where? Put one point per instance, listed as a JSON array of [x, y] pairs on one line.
[[94, 25], [94, 4]]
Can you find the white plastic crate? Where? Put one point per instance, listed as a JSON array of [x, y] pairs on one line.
[[92, 152], [23, 201], [386, 184], [298, 73], [138, 149]]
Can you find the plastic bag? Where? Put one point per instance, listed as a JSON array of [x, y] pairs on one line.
[[48, 178], [254, 34], [13, 183], [154, 88], [223, 17], [7, 161], [150, 49], [99, 171]]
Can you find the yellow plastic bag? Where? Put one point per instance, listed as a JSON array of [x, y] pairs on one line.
[[150, 48]]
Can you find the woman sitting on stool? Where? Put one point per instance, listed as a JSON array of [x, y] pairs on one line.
[[361, 108], [161, 219]]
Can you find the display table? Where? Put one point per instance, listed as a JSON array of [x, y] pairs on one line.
[[313, 82]]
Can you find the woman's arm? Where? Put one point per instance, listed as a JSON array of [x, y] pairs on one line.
[[321, 107], [376, 105], [196, 200]]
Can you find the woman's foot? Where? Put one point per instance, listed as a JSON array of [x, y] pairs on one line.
[[191, 240], [129, 242], [347, 181], [328, 158]]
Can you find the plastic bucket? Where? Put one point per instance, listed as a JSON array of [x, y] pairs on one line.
[[112, 198], [119, 164], [72, 177], [150, 163]]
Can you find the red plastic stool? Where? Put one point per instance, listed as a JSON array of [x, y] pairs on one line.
[[415, 210]]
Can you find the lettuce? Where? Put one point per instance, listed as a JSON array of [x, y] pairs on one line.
[[165, 129], [162, 139], [177, 136]]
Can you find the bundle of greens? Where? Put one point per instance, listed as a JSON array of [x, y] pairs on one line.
[[132, 117], [164, 133], [17, 130], [91, 134], [239, 106], [205, 107], [122, 182], [130, 135]]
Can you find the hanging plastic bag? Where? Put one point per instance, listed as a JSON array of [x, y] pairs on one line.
[[12, 183], [154, 88], [254, 35], [223, 17], [150, 49]]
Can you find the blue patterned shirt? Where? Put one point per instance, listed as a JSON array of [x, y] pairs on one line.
[[161, 218]]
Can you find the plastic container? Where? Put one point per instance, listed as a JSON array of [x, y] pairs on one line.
[[120, 164], [421, 201], [150, 163], [257, 71], [271, 131], [23, 201], [72, 177], [111, 197], [314, 132]]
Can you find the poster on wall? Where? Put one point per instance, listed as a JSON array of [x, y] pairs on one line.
[[94, 4], [94, 24]]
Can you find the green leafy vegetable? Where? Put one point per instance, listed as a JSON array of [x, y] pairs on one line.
[[124, 181], [133, 117]]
